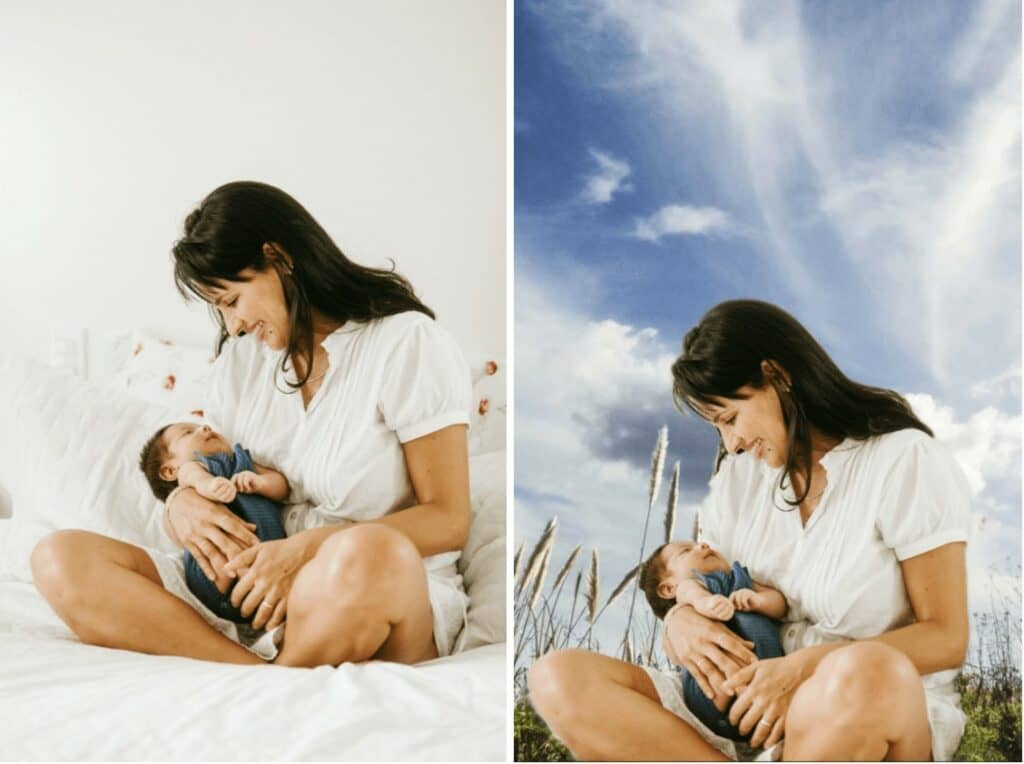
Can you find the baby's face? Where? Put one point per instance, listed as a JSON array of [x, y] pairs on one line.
[[185, 438], [682, 557]]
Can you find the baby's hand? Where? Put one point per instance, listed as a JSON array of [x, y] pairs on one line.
[[745, 599], [217, 489], [246, 481], [714, 606]]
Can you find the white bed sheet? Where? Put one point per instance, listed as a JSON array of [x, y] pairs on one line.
[[61, 699]]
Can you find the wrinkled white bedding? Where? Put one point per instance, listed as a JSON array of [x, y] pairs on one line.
[[61, 699]]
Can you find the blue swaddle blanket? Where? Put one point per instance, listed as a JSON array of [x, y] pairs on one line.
[[261, 511], [759, 629]]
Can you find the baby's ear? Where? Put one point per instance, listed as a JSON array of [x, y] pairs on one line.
[[169, 472], [667, 589]]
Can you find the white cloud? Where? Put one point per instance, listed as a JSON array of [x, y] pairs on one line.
[[608, 180], [1004, 385], [987, 445], [677, 219]]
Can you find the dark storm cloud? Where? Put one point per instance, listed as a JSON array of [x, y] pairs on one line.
[[629, 432]]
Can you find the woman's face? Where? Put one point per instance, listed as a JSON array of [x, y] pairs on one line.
[[255, 306], [753, 423]]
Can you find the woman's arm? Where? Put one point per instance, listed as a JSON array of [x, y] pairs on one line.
[[438, 465], [936, 584]]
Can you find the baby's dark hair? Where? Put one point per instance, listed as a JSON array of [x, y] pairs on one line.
[[651, 574], [152, 458]]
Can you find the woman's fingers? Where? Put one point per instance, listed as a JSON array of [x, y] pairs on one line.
[[699, 678], [723, 662], [243, 559], [201, 560], [228, 546], [252, 601], [238, 529], [279, 612], [242, 588], [264, 611], [736, 646], [740, 679], [778, 729], [740, 707]]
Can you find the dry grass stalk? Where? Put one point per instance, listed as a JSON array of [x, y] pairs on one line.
[[670, 510], [657, 464], [538, 583], [547, 538], [593, 586], [515, 562], [564, 572], [623, 584]]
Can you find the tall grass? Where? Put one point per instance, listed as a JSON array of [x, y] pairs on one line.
[[990, 683]]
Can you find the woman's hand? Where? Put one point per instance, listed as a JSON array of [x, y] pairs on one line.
[[267, 573], [762, 706], [210, 531], [705, 648]]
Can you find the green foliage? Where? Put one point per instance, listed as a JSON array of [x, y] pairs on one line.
[[532, 739], [993, 730]]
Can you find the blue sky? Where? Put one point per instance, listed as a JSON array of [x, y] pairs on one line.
[[856, 163]]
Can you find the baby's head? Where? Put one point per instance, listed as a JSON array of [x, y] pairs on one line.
[[674, 562], [173, 445]]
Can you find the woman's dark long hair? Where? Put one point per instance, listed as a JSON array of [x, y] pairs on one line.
[[226, 233], [724, 352]]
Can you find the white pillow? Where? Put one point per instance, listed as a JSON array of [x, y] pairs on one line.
[[483, 559], [69, 458], [489, 411], [162, 372]]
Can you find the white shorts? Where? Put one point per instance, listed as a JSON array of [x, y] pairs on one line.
[[945, 718], [448, 602]]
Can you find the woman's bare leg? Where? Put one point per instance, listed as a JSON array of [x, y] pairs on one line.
[[364, 595], [109, 593], [608, 710], [864, 702]]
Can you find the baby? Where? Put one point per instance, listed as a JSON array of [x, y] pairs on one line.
[[194, 456], [682, 572]]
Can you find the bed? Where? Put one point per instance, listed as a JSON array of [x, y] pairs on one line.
[[67, 460]]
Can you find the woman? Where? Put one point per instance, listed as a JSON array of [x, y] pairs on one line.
[[836, 494], [337, 375]]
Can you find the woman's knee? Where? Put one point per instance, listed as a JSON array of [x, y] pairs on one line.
[[55, 560], [371, 562], [566, 682], [854, 682]]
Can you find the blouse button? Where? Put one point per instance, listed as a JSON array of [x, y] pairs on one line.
[[792, 632]]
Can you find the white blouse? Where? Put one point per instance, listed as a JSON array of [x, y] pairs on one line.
[[390, 380], [888, 498]]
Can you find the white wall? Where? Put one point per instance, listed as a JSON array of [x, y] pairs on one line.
[[385, 119]]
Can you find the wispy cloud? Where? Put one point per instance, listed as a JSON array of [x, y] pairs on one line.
[[608, 179], [838, 169], [679, 220], [1006, 384]]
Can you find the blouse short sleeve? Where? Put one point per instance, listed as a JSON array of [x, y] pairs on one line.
[[925, 500], [426, 384]]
